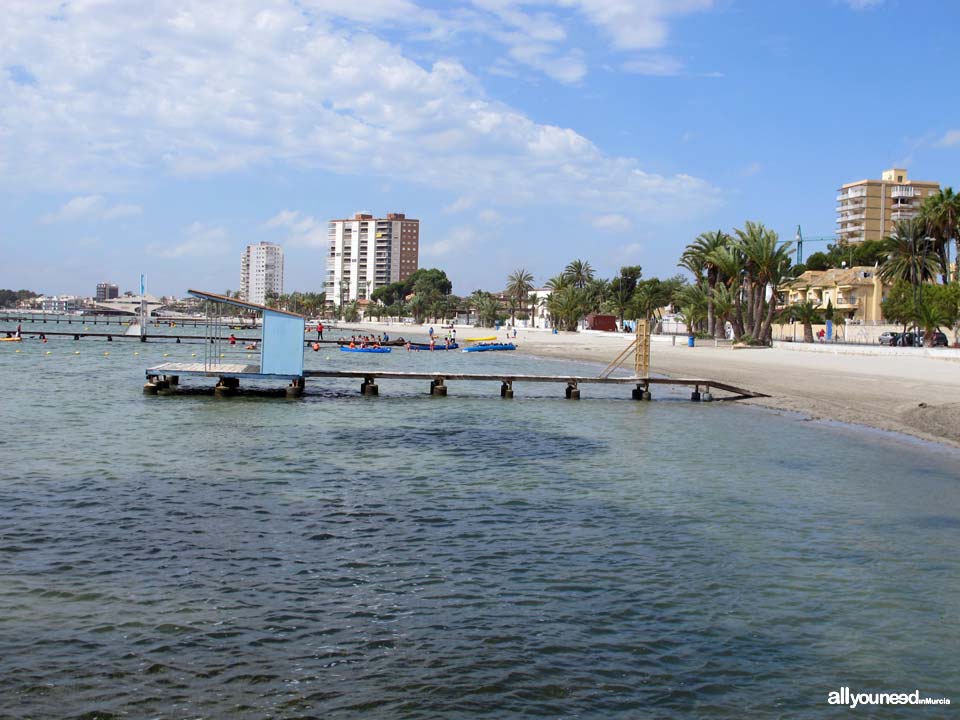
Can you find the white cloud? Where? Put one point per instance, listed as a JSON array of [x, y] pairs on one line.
[[612, 223], [461, 204], [83, 206], [121, 89], [636, 24], [89, 207], [457, 240], [199, 240], [303, 230], [492, 217], [751, 169], [863, 4], [661, 65], [951, 138], [122, 211]]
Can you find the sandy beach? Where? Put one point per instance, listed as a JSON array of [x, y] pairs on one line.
[[918, 396]]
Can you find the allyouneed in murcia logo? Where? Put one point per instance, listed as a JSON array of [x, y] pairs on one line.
[[844, 696]]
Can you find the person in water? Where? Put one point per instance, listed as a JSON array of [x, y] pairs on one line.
[[319, 331], [233, 340]]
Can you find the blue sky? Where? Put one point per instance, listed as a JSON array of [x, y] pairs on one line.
[[163, 137]]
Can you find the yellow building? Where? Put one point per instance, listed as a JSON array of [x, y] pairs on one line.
[[868, 209], [856, 292]]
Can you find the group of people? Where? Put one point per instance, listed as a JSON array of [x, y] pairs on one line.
[[366, 341]]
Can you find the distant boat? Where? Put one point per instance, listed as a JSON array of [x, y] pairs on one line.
[[437, 346], [366, 349], [487, 347]]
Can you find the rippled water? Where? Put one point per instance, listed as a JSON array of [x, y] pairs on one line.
[[415, 557]]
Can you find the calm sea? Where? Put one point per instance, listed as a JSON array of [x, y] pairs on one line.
[[461, 557]]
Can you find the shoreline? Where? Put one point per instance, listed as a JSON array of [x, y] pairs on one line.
[[910, 395]]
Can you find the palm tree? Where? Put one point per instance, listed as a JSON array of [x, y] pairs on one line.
[[910, 256], [565, 306], [805, 312], [698, 258], [941, 216], [724, 301], [693, 301], [535, 302], [767, 263], [931, 317], [519, 285], [579, 272], [596, 293]]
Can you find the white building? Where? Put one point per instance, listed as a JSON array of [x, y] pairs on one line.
[[261, 272], [367, 253], [60, 303]]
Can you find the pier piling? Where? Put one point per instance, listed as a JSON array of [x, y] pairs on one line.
[[369, 387]]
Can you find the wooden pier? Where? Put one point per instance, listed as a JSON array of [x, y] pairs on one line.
[[165, 377], [281, 358]]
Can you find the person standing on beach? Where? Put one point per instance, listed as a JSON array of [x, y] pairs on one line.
[[430, 332]]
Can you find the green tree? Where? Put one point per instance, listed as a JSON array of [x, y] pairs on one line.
[[767, 265], [805, 312], [698, 257], [579, 272], [519, 285], [940, 215], [910, 256]]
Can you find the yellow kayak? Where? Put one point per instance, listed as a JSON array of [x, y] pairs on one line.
[[481, 339], [13, 339]]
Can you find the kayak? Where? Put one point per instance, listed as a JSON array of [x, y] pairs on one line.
[[437, 346], [491, 346], [13, 339], [367, 350], [481, 339]]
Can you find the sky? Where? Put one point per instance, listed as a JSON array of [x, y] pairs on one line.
[[163, 137]]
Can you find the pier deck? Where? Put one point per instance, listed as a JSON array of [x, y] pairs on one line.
[[438, 380]]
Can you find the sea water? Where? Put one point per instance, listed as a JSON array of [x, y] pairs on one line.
[[409, 556]]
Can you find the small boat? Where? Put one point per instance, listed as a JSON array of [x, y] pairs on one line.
[[344, 348], [11, 339], [436, 346], [486, 347], [481, 339]]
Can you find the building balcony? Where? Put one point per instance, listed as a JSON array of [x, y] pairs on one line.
[[903, 191], [848, 216], [903, 214], [852, 193]]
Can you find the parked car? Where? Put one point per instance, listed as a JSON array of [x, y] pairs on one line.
[[939, 339], [888, 338]]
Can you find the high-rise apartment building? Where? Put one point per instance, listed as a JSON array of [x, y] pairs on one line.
[[261, 272], [868, 209], [107, 291], [368, 252]]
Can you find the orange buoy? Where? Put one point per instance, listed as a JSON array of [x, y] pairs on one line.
[[316, 347]]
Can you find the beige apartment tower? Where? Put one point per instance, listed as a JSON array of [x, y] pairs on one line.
[[868, 209], [367, 253]]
